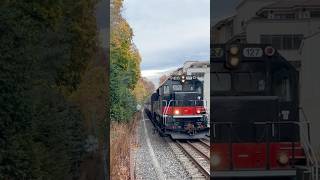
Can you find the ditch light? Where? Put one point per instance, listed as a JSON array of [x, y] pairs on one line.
[[176, 112], [215, 160]]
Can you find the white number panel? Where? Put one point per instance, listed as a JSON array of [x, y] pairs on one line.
[[252, 52]]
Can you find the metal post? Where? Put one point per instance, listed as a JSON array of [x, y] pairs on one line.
[[268, 148], [230, 146]]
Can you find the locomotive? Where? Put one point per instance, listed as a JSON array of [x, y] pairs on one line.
[[255, 113], [177, 108]]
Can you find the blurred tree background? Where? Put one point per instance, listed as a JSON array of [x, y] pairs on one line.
[[53, 88]]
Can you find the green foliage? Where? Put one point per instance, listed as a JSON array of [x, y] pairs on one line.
[[124, 67], [45, 48], [143, 90]]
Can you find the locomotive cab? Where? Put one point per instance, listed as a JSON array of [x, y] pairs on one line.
[[255, 120]]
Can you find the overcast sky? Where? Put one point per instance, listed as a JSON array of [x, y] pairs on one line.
[[169, 32]]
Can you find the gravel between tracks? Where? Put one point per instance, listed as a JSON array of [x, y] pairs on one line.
[[170, 167]]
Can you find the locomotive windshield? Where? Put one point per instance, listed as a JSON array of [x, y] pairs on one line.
[[188, 93], [188, 86], [249, 82], [251, 77], [222, 81], [188, 99]]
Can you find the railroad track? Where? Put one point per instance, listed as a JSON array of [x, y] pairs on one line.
[[201, 147], [206, 142], [194, 156]]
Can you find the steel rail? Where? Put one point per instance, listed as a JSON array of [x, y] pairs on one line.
[[195, 162], [199, 151], [206, 144]]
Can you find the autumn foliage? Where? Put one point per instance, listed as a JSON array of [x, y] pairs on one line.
[[162, 79], [124, 66], [143, 89], [127, 89]]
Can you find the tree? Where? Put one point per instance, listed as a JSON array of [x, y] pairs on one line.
[[162, 79], [124, 66], [45, 48], [143, 89], [149, 86]]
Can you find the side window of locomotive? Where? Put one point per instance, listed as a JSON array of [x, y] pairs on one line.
[[161, 91], [158, 92], [221, 81], [283, 89], [282, 86], [166, 90], [199, 90], [198, 87]]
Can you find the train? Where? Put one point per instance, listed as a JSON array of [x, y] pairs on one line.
[[177, 108], [255, 128]]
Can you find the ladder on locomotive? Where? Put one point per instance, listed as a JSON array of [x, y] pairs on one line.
[[311, 155]]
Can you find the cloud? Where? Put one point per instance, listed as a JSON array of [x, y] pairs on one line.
[[155, 74], [167, 33]]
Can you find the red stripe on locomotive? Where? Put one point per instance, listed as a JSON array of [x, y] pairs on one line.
[[254, 155], [183, 111]]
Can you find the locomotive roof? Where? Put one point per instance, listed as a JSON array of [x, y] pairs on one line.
[[169, 78], [262, 47], [279, 58]]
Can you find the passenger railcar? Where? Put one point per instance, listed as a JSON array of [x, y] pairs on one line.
[[255, 113], [177, 108]]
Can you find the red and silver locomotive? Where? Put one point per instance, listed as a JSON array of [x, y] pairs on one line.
[[177, 108]]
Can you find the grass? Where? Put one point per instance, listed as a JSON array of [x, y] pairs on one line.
[[121, 142]]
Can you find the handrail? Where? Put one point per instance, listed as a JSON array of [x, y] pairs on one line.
[[165, 112], [191, 101], [164, 109], [194, 104], [313, 160]]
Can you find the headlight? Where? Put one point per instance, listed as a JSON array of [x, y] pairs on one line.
[[234, 61], [283, 159], [234, 57], [234, 50], [176, 112], [215, 160]]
